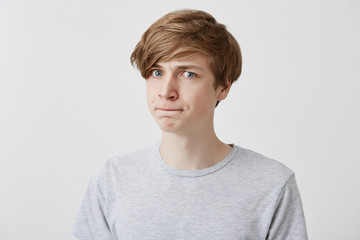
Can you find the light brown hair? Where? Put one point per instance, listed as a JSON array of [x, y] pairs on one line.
[[182, 33]]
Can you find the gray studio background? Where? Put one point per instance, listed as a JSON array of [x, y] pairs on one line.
[[69, 100]]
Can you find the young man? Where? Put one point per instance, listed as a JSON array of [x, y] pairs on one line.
[[190, 185]]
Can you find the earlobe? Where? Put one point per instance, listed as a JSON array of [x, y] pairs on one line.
[[222, 94], [224, 91]]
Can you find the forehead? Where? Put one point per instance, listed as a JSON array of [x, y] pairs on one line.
[[196, 60]]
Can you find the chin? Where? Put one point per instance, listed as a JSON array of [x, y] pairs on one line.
[[167, 126]]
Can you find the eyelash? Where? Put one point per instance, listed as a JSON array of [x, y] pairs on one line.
[[156, 71], [193, 74]]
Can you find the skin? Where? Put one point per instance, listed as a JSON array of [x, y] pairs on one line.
[[181, 97]]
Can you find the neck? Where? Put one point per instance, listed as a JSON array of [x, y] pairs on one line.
[[192, 151]]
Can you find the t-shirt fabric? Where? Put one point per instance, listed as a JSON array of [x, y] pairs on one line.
[[139, 196]]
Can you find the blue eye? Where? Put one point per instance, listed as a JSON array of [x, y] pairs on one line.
[[189, 74], [156, 73]]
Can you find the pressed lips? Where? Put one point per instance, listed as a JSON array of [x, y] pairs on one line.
[[168, 111]]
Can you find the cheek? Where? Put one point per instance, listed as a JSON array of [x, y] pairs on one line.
[[205, 101], [150, 94]]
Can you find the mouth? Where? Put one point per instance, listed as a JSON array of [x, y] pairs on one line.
[[169, 109], [168, 112]]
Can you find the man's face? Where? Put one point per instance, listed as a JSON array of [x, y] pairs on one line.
[[181, 95]]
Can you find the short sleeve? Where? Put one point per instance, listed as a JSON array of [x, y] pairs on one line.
[[288, 221], [90, 222]]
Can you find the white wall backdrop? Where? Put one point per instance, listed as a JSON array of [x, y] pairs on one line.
[[69, 100]]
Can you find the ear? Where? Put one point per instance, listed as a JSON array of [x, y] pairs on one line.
[[224, 90]]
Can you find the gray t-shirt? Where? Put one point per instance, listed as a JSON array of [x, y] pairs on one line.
[[139, 196]]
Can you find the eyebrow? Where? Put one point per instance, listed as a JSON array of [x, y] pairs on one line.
[[185, 66]]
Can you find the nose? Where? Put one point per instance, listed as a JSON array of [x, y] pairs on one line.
[[168, 89]]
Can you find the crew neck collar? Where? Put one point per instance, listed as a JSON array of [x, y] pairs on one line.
[[193, 173]]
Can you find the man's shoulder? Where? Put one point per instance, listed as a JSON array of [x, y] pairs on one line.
[[260, 166], [134, 158]]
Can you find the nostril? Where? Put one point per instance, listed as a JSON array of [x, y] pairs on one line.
[[168, 91]]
